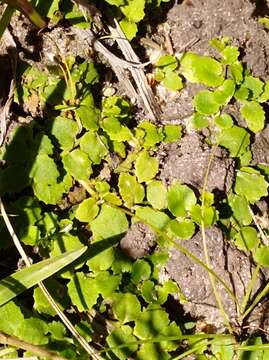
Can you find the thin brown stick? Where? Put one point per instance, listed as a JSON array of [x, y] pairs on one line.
[[20, 344]]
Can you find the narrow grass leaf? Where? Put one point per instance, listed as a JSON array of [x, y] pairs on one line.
[[24, 279]]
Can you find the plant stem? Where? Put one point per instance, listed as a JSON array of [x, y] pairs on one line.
[[20, 344], [257, 299], [249, 289], [212, 278]]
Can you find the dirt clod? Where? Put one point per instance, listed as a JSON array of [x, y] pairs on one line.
[[188, 161], [138, 241]]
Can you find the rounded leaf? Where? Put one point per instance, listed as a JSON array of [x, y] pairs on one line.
[[261, 256], [254, 115], [199, 121], [225, 92], [240, 208], [255, 85], [126, 307], [151, 322], [205, 102], [83, 291], [141, 271], [201, 69], [146, 167], [252, 185], [172, 81], [156, 219], [65, 131], [94, 146], [157, 194], [130, 190], [87, 210], [184, 229], [167, 62], [246, 238], [224, 121], [181, 198], [235, 139], [119, 337], [110, 222], [77, 164]]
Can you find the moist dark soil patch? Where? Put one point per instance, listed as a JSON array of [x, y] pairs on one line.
[[188, 159]]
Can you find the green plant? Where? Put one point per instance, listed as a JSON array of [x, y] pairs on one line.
[[86, 173]]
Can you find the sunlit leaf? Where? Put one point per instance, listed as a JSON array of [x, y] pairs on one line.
[[235, 139], [205, 102], [240, 208], [261, 255], [87, 210], [152, 217], [246, 238], [64, 130], [224, 121], [172, 81], [146, 167], [180, 199], [110, 222], [199, 121], [166, 62], [77, 164], [254, 115], [255, 85], [94, 145], [250, 184], [157, 194], [130, 190], [201, 69], [184, 229], [24, 279]]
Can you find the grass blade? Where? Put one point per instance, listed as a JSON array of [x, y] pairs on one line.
[[5, 19], [24, 279]]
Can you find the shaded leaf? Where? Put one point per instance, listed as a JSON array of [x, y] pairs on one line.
[[122, 336], [83, 291], [126, 307]]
